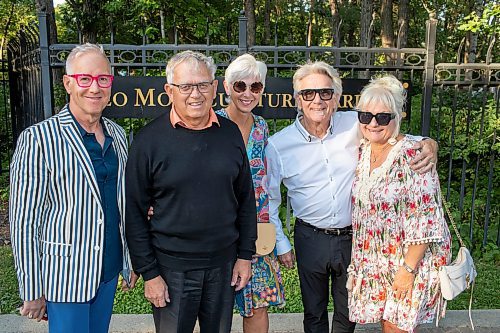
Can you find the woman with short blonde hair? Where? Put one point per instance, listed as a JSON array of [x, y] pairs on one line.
[[400, 235]]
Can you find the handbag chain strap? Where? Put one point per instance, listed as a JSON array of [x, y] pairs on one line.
[[445, 204]]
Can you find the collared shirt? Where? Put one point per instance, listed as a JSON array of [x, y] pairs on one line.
[[318, 173], [175, 120], [105, 163]]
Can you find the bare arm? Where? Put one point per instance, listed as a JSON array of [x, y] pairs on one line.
[[403, 280]]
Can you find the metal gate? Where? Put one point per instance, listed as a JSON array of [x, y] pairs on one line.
[[463, 95]]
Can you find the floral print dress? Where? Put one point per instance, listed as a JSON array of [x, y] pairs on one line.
[[265, 287], [394, 207]]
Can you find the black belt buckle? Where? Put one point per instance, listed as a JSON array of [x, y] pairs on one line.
[[333, 231], [327, 231]]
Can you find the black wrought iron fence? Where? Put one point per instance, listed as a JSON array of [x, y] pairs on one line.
[[5, 118], [466, 122], [25, 68], [465, 96]]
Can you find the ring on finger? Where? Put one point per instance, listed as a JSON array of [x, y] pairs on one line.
[[30, 316]]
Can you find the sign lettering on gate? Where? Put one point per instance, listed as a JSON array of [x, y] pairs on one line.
[[145, 97]]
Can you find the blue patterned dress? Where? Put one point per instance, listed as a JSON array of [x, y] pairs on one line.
[[265, 288]]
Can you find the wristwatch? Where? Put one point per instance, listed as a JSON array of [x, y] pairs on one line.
[[409, 269]]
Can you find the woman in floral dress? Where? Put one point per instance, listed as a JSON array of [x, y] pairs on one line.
[[244, 84], [400, 235]]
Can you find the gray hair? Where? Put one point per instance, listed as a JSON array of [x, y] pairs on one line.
[[194, 59], [246, 66], [78, 50], [317, 67], [386, 90]]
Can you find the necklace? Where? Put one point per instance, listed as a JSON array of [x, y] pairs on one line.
[[245, 131], [375, 157]]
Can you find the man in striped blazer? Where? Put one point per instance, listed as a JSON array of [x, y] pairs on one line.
[[67, 205]]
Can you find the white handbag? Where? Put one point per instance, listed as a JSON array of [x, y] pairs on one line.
[[461, 273], [458, 276]]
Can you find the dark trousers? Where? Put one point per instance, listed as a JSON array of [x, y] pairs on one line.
[[205, 295], [321, 257]]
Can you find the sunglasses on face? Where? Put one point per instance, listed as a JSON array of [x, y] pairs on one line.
[[241, 86], [310, 94], [383, 119]]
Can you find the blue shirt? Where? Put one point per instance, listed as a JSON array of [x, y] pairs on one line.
[[105, 163]]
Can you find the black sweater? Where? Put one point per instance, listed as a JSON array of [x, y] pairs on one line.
[[200, 186]]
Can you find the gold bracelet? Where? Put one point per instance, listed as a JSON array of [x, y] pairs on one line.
[[409, 269]]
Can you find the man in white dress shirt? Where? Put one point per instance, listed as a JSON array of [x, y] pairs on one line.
[[315, 158]]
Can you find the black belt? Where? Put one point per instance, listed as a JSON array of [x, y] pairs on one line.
[[328, 231]]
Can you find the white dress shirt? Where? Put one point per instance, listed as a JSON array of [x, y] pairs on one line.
[[318, 173]]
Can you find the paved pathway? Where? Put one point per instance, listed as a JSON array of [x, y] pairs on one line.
[[486, 321]]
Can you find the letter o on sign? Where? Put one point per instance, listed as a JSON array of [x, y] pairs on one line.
[[124, 99]]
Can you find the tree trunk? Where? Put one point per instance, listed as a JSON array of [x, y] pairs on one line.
[[6, 30], [365, 34], [162, 25], [310, 24], [88, 18], [47, 6], [267, 23], [471, 40], [89, 31], [387, 31], [403, 15], [366, 20], [250, 14], [334, 10]]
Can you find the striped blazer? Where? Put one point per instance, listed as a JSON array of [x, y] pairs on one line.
[[55, 212]]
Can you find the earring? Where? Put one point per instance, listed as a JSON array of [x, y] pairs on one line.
[[392, 141]]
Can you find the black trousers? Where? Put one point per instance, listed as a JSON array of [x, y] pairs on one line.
[[321, 257], [205, 295]]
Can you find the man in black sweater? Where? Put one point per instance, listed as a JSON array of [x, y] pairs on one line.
[[191, 166]]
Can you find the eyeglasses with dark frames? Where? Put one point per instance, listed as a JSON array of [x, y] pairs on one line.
[[86, 80], [325, 94], [187, 88], [383, 118], [241, 86]]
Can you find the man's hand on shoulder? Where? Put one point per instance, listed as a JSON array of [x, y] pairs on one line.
[[156, 291], [427, 158], [34, 309], [287, 259], [242, 272]]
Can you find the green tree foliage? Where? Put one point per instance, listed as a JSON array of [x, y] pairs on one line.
[[137, 22], [14, 14], [465, 130], [487, 23], [216, 22]]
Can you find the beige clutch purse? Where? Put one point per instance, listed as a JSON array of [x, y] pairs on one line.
[[266, 238]]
